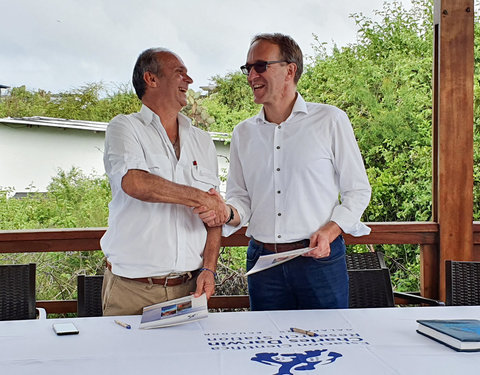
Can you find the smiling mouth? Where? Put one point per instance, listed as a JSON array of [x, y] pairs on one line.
[[183, 90], [257, 86]]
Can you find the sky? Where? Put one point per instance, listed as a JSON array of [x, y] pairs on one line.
[[61, 45]]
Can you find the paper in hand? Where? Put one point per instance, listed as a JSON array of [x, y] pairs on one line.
[[267, 261]]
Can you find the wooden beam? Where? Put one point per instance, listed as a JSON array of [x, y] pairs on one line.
[[429, 271], [229, 302], [41, 240], [453, 129], [58, 307], [88, 239]]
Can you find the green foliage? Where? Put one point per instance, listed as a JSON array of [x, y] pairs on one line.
[[230, 270], [383, 82], [73, 200], [197, 113], [476, 116], [92, 102], [20, 103], [230, 102]]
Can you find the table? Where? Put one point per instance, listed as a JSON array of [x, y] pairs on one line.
[[357, 341]]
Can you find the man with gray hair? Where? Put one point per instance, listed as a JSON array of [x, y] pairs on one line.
[[288, 167], [160, 167]]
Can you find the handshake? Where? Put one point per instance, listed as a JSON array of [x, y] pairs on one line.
[[213, 211]]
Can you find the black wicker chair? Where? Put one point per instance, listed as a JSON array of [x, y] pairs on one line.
[[17, 291], [463, 283], [370, 288], [375, 261], [89, 289]]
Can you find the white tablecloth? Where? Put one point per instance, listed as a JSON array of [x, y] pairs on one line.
[[362, 341]]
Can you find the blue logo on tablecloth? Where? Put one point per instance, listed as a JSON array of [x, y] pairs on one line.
[[297, 361]]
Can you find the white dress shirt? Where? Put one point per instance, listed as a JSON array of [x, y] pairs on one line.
[[288, 180], [146, 239]]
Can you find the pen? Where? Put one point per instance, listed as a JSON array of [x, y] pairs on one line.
[[303, 331], [124, 325]]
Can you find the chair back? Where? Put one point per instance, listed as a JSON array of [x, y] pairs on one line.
[[365, 261], [370, 288], [89, 289], [17, 291], [463, 283]]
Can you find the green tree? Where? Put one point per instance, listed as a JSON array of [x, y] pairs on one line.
[[19, 102], [73, 200], [230, 102]]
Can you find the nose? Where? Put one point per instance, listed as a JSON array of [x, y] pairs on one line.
[[188, 79], [252, 74]]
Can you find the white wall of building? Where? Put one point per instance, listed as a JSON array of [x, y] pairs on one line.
[[32, 155]]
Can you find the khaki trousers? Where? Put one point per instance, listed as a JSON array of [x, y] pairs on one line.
[[122, 296]]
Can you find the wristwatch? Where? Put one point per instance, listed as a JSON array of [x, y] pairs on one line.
[[232, 215]]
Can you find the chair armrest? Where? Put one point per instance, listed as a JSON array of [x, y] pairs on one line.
[[41, 313], [416, 299]]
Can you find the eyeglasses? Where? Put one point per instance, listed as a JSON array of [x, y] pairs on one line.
[[259, 66]]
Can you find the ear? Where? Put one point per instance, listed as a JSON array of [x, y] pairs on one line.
[[291, 70], [150, 79]]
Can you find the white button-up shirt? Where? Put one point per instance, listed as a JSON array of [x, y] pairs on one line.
[[288, 180], [153, 239]]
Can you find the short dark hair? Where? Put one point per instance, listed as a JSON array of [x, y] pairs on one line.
[[146, 62], [289, 49]]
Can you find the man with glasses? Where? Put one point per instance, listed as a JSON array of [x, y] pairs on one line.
[[159, 167], [297, 178]]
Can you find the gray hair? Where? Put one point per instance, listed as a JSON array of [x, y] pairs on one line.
[[289, 50], [147, 62]]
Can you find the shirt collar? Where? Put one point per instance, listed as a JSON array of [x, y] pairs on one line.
[[300, 106], [148, 116]]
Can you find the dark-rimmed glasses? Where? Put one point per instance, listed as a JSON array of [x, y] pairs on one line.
[[259, 66]]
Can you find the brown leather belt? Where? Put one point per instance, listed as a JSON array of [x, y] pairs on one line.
[[282, 247], [165, 281]]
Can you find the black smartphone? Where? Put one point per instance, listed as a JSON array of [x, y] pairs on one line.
[[65, 329]]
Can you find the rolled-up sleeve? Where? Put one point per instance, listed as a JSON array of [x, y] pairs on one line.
[[122, 150]]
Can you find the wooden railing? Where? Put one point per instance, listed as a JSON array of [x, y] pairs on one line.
[[424, 234], [85, 239]]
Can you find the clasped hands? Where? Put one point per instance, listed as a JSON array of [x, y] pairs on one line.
[[214, 212]]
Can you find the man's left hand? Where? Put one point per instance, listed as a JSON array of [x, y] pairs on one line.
[[205, 284], [320, 240]]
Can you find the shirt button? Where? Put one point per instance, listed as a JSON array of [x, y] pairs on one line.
[[279, 214], [279, 126], [278, 147], [278, 169], [278, 191], [279, 236]]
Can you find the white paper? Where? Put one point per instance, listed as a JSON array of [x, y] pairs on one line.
[[267, 261], [177, 311]]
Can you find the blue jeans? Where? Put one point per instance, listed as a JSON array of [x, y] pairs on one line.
[[300, 283]]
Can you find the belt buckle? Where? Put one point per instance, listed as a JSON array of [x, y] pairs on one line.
[[169, 277], [176, 276]]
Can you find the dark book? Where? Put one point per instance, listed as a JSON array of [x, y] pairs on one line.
[[459, 334]]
